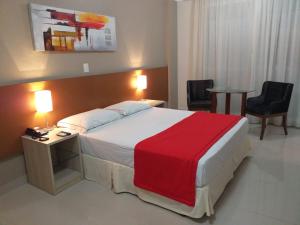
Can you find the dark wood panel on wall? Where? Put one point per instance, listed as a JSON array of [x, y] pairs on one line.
[[70, 96]]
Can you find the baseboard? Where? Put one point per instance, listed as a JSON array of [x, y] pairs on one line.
[[12, 174]]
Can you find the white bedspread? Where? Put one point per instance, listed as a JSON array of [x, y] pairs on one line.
[[116, 141]]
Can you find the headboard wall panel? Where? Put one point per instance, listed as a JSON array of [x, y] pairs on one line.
[[70, 96]]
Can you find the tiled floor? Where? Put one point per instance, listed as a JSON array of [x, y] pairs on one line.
[[265, 191]]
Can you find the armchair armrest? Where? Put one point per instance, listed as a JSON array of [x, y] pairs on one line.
[[256, 100]]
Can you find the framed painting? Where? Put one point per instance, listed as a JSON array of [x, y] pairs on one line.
[[56, 29]]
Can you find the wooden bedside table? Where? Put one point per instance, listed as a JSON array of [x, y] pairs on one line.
[[155, 103], [55, 164]]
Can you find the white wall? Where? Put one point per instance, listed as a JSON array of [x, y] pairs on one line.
[[184, 17], [172, 53]]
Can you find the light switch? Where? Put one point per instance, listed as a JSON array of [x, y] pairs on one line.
[[86, 68]]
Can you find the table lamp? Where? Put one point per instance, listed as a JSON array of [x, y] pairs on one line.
[[43, 103], [141, 82]]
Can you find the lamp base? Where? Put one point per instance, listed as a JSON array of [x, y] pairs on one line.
[[49, 128]]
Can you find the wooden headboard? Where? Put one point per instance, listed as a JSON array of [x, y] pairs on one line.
[[70, 96]]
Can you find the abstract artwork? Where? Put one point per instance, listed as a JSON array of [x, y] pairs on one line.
[[56, 29]]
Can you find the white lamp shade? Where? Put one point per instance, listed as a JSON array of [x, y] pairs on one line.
[[141, 82], [43, 101]]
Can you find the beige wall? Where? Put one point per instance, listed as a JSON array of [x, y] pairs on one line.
[[141, 34]]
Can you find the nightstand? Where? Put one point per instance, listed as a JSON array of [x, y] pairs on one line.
[[55, 164], [155, 103]]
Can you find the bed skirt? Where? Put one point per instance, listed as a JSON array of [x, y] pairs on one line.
[[119, 178]]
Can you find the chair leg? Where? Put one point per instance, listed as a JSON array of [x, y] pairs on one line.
[[284, 124], [263, 127]]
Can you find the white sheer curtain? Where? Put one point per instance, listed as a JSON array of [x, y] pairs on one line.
[[240, 44]]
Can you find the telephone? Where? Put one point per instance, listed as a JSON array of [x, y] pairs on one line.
[[35, 132]]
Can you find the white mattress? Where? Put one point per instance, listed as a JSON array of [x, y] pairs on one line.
[[116, 141]]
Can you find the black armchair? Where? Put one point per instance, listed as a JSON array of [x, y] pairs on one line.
[[197, 96], [273, 101]]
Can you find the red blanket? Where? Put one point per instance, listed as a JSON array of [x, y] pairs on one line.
[[167, 162]]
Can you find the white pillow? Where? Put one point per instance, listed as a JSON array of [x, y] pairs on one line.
[[127, 108], [86, 121]]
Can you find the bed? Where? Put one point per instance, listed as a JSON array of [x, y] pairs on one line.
[[108, 158]]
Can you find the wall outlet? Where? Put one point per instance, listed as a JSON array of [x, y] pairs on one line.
[[86, 68]]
